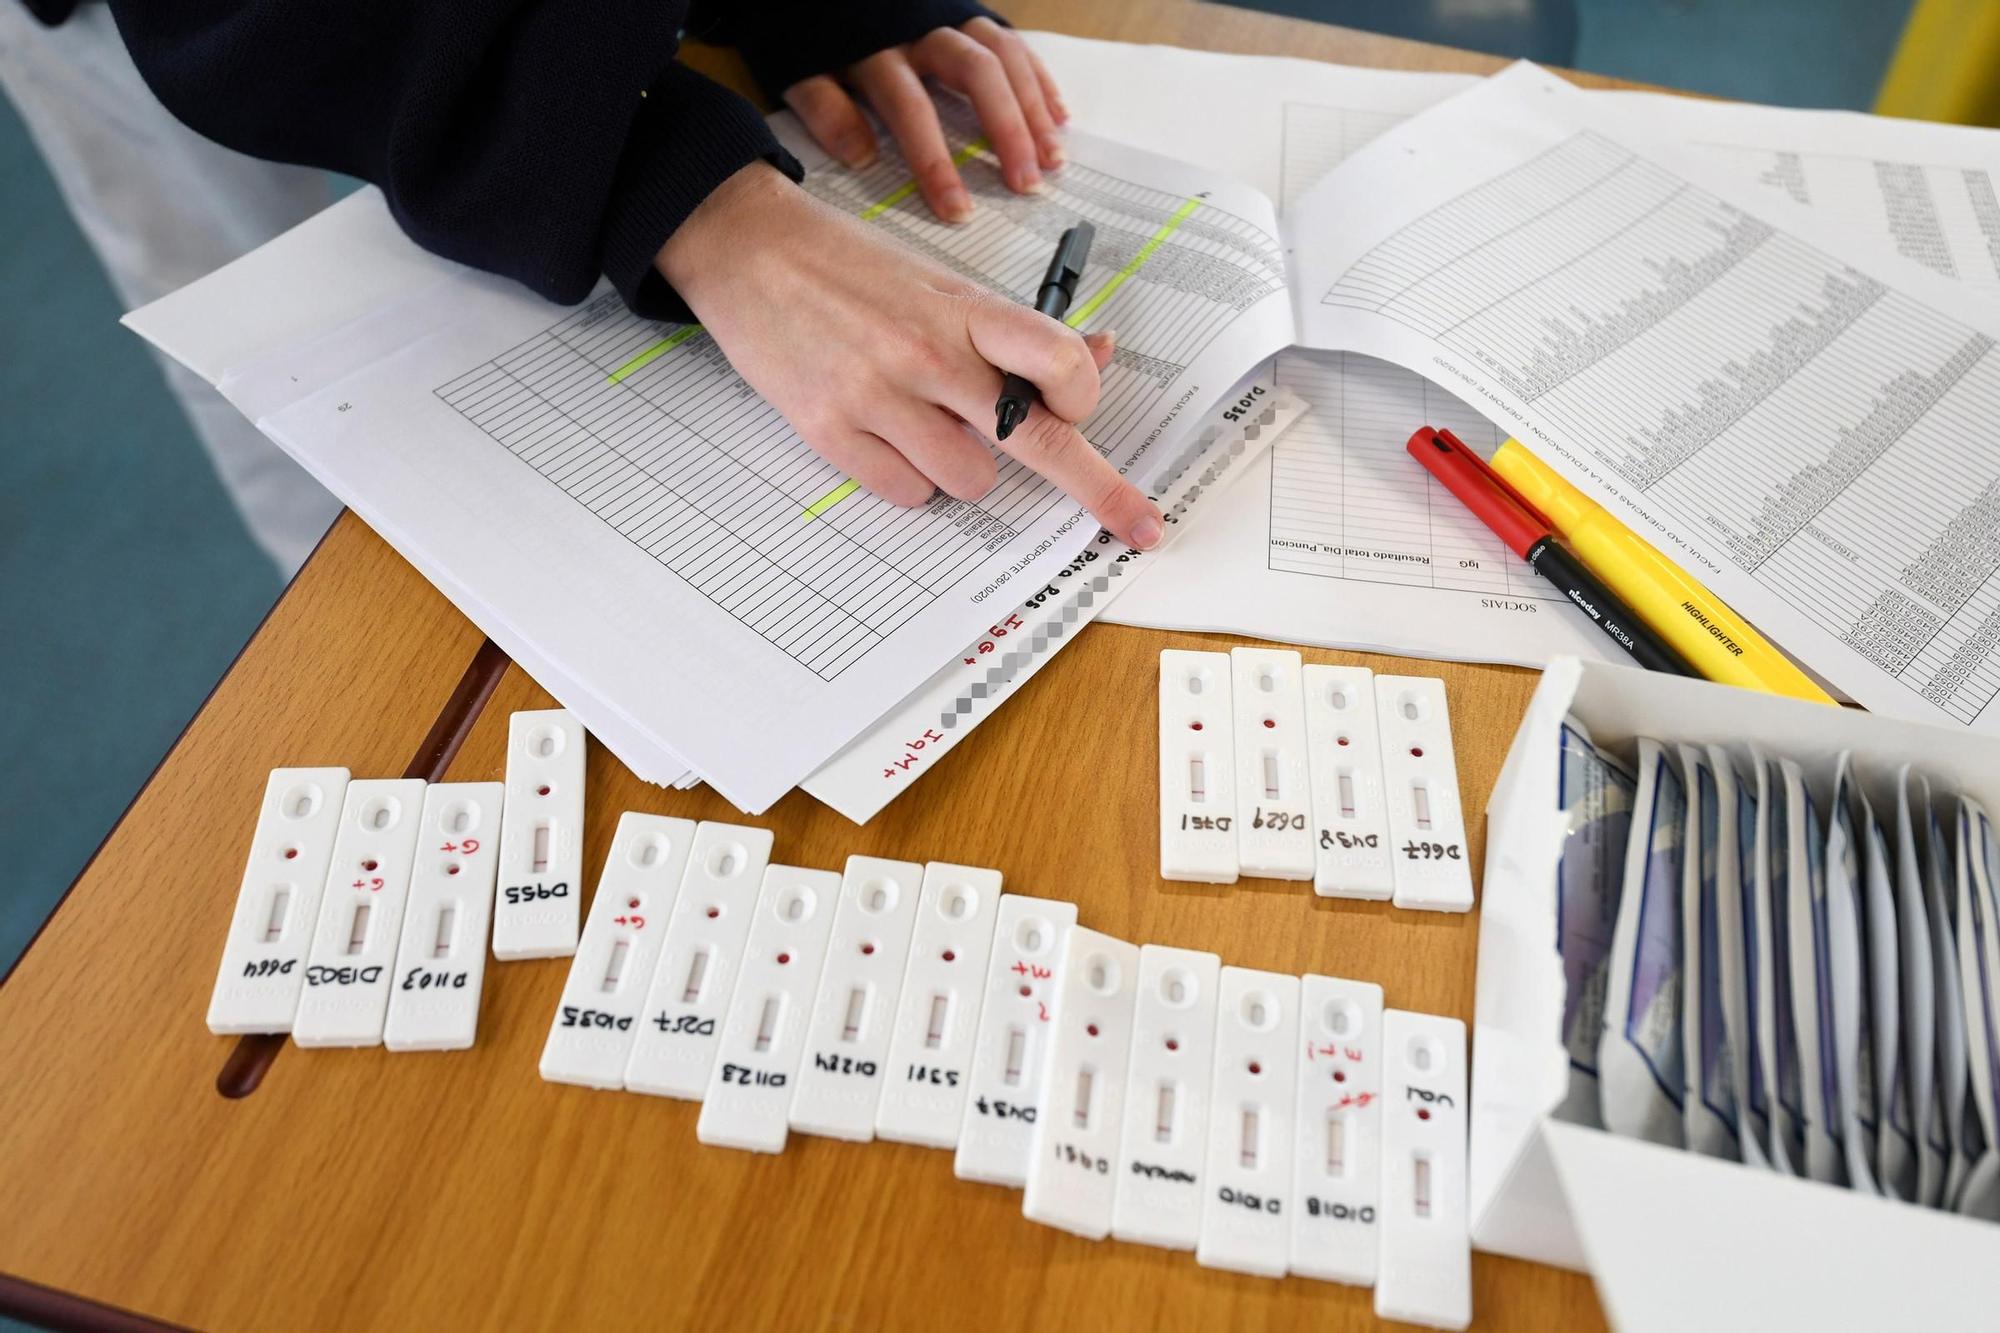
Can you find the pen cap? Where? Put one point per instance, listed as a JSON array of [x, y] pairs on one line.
[[1479, 488]]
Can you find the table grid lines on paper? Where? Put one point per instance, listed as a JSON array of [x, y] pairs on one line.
[[649, 428]]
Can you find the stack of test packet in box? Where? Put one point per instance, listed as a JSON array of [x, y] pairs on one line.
[[1751, 938]]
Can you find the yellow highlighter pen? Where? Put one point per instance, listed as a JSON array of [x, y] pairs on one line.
[[1700, 626]]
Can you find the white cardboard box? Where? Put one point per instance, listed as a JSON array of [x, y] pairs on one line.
[[1675, 1240]]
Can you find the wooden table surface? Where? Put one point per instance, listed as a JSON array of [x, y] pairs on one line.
[[148, 1167]]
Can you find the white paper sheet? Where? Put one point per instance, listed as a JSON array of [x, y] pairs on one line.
[[1928, 190], [607, 500], [1800, 418], [1336, 537]]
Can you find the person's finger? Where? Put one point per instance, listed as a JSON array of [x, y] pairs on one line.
[[1027, 84], [873, 462], [937, 444], [898, 96], [1101, 344], [957, 61], [831, 117], [1050, 92], [1054, 448], [1048, 354]]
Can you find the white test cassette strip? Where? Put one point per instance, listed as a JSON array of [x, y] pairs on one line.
[[749, 1098], [604, 997], [541, 837], [1420, 786], [1164, 1148], [1008, 1053], [1273, 797], [1197, 768], [1248, 1179], [1337, 1160], [674, 1041], [441, 956], [264, 960], [360, 922], [854, 1010], [930, 1049], [1081, 1112], [1350, 821], [1425, 1274]]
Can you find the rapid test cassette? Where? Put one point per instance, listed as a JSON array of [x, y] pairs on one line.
[[1249, 1165], [1082, 1107], [1350, 820], [1433, 866], [847, 1033], [360, 922], [1425, 1275], [675, 1040], [1273, 800], [1197, 768], [541, 837], [1336, 1160], [929, 1064], [441, 956], [264, 960], [749, 1099], [1008, 1054], [604, 997], [1164, 1147]]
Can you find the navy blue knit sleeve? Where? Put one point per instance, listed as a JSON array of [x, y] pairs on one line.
[[545, 141]]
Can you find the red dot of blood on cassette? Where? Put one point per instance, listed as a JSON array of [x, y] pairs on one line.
[[1092, 1029], [1172, 1044], [1194, 726], [714, 912], [291, 853], [1340, 1076], [451, 868], [784, 958], [1270, 721], [632, 903], [1256, 1068], [369, 864], [950, 955], [542, 790], [868, 948], [1423, 1113], [1027, 990], [1417, 751], [1340, 740]]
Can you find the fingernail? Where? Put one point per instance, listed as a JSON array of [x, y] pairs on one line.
[[1052, 149], [1146, 533], [957, 204], [857, 154], [1028, 182]]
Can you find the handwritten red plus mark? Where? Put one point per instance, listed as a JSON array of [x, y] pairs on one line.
[[1020, 969]]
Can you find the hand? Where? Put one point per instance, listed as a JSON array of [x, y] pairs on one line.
[[879, 357], [1016, 100]]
